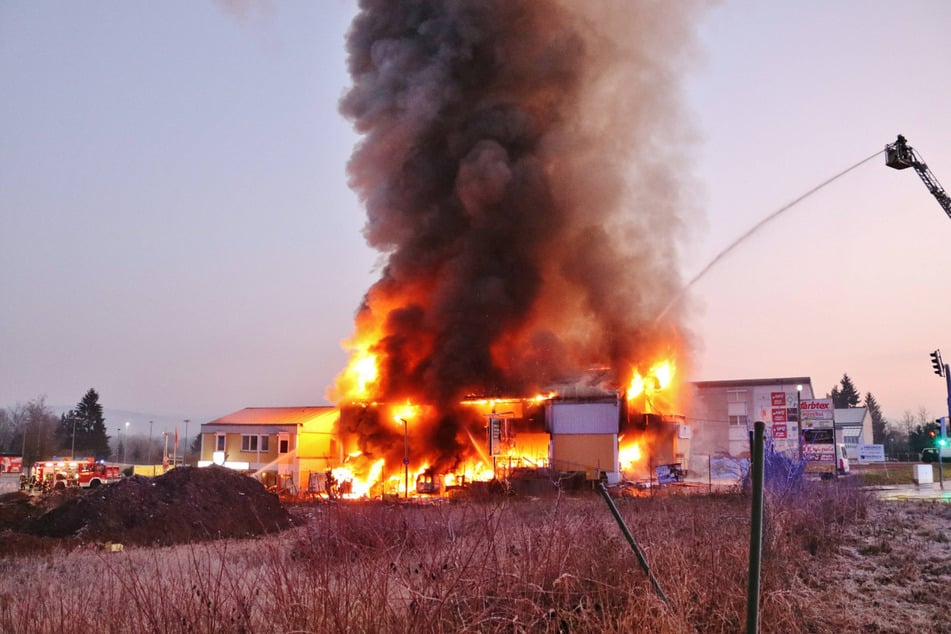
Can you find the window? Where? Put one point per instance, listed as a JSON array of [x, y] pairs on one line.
[[739, 421], [283, 444], [736, 396], [219, 442], [253, 442]]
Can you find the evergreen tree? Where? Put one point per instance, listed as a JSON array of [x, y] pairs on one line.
[[82, 431], [879, 424], [847, 396], [920, 437], [836, 396]]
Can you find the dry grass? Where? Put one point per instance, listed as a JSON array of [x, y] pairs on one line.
[[834, 560], [881, 474]]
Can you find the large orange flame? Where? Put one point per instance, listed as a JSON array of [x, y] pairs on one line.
[[649, 387]]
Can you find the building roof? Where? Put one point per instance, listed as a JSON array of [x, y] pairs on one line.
[[789, 380], [275, 415], [852, 416]]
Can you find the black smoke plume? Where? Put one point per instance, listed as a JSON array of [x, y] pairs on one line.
[[521, 167]]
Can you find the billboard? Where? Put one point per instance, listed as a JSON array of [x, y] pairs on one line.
[[11, 464], [871, 453], [495, 436], [818, 434], [817, 410]]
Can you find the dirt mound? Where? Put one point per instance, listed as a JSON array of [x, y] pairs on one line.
[[186, 504]]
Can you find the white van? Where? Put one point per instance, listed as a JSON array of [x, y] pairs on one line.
[[841, 460]]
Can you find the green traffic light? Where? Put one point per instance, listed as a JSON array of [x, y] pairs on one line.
[[942, 442]]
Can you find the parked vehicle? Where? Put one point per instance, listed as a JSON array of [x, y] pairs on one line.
[[842, 460], [930, 454], [83, 472]]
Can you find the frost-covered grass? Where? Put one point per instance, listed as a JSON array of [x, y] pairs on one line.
[[503, 565]]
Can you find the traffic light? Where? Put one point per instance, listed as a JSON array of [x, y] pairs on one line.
[[936, 363]]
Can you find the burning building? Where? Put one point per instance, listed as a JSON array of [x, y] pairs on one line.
[[520, 166]]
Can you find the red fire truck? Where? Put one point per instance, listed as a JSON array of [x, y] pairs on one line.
[[83, 472]]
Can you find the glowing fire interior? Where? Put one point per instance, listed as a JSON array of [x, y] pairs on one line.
[[407, 466], [652, 384]]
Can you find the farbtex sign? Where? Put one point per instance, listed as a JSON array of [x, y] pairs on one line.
[[818, 431], [818, 411]]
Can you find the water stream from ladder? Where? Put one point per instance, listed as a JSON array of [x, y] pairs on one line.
[[683, 291]]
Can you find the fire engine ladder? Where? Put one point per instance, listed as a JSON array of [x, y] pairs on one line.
[[899, 155]]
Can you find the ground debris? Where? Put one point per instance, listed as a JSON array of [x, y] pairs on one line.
[[186, 504]]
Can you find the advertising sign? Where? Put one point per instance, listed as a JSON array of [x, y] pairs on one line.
[[817, 409], [11, 464], [871, 453], [779, 415], [818, 446], [779, 430], [495, 436], [819, 453], [778, 399]]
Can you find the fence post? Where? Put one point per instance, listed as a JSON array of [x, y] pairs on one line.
[[630, 540], [756, 529]]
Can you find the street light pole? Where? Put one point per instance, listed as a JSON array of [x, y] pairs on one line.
[[185, 452], [150, 448], [72, 452], [406, 456], [125, 451], [799, 417]]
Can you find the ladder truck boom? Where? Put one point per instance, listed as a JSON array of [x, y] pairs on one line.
[[899, 155]]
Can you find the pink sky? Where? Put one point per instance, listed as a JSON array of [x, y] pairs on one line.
[[176, 230]]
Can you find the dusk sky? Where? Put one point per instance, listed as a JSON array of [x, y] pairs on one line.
[[176, 229]]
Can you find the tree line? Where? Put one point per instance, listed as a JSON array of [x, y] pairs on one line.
[[904, 438], [34, 431]]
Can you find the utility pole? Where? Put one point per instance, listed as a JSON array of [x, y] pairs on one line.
[[185, 451], [406, 456], [150, 448]]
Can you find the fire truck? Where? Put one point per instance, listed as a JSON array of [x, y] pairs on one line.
[[83, 472]]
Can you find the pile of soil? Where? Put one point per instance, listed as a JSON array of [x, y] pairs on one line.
[[187, 504]]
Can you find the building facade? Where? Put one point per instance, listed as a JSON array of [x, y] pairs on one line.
[[853, 427], [283, 446], [722, 413]]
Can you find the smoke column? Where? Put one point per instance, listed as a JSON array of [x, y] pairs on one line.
[[521, 168]]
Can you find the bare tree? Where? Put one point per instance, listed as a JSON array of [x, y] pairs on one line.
[[7, 433], [33, 430]]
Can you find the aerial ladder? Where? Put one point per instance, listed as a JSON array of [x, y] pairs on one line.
[[899, 155]]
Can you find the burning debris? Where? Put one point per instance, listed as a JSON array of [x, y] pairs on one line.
[[515, 168]]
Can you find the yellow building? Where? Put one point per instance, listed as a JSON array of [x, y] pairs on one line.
[[283, 446]]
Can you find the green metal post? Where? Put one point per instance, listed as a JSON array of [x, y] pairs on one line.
[[630, 540], [756, 529]]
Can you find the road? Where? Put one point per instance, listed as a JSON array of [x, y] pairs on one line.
[[914, 492]]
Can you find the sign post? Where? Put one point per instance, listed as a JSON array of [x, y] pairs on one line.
[[818, 434]]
